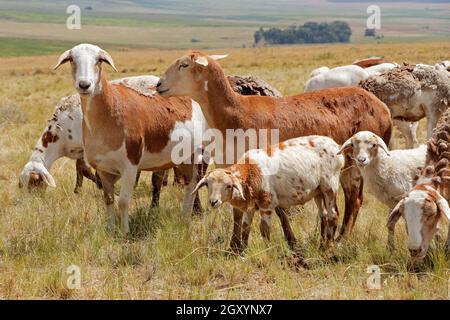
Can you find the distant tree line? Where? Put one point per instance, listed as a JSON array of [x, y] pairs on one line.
[[310, 32]]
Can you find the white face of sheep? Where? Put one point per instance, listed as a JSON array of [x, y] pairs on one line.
[[422, 209], [86, 60], [187, 76], [222, 186], [35, 175], [364, 147]]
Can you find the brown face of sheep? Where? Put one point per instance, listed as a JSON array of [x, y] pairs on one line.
[[222, 186], [186, 76], [364, 147], [422, 210], [35, 181]]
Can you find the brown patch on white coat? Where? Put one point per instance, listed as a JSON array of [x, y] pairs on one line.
[[308, 167]]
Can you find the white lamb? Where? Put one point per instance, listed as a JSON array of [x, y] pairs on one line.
[[389, 175]]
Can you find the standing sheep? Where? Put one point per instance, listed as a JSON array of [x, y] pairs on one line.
[[288, 174], [389, 175]]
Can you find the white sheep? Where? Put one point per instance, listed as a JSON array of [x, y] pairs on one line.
[[288, 174], [344, 76], [389, 175], [380, 68]]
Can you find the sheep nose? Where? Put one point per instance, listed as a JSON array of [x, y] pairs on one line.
[[213, 202], [84, 84], [361, 159], [159, 84]]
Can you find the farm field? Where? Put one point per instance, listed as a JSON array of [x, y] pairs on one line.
[[172, 24], [170, 255]]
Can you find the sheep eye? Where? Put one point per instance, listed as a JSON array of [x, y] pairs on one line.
[[183, 65], [373, 145], [228, 186]]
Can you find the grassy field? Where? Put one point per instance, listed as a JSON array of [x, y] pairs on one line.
[[169, 255]]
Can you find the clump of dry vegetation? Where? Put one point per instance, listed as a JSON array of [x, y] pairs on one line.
[[169, 255]]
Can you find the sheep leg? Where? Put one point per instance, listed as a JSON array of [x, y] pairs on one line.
[[447, 246], [126, 192], [287, 229], [177, 176], [108, 181], [165, 178], [79, 181], [98, 181], [201, 171], [138, 176], [352, 184], [246, 227], [83, 170], [264, 227], [333, 214], [431, 123], [323, 219], [157, 182], [236, 243], [190, 180], [409, 132]]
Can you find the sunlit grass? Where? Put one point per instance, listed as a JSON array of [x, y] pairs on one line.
[[169, 255]]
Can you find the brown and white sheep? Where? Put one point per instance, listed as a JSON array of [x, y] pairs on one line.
[[126, 130], [427, 203], [337, 113], [288, 174]]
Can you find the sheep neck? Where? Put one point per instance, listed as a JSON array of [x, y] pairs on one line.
[[217, 98], [251, 181], [101, 111]]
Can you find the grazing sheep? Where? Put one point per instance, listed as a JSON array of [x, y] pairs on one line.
[[322, 113], [389, 175], [288, 174], [412, 93], [427, 203]]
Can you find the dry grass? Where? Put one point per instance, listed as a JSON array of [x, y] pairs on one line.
[[169, 255]]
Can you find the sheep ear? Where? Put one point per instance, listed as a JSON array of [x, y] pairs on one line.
[[442, 204], [238, 192], [346, 147], [200, 184], [218, 56], [66, 56], [105, 57], [48, 178], [383, 146], [396, 213], [202, 61]]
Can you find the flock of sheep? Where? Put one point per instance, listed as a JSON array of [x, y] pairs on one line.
[[336, 133]]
